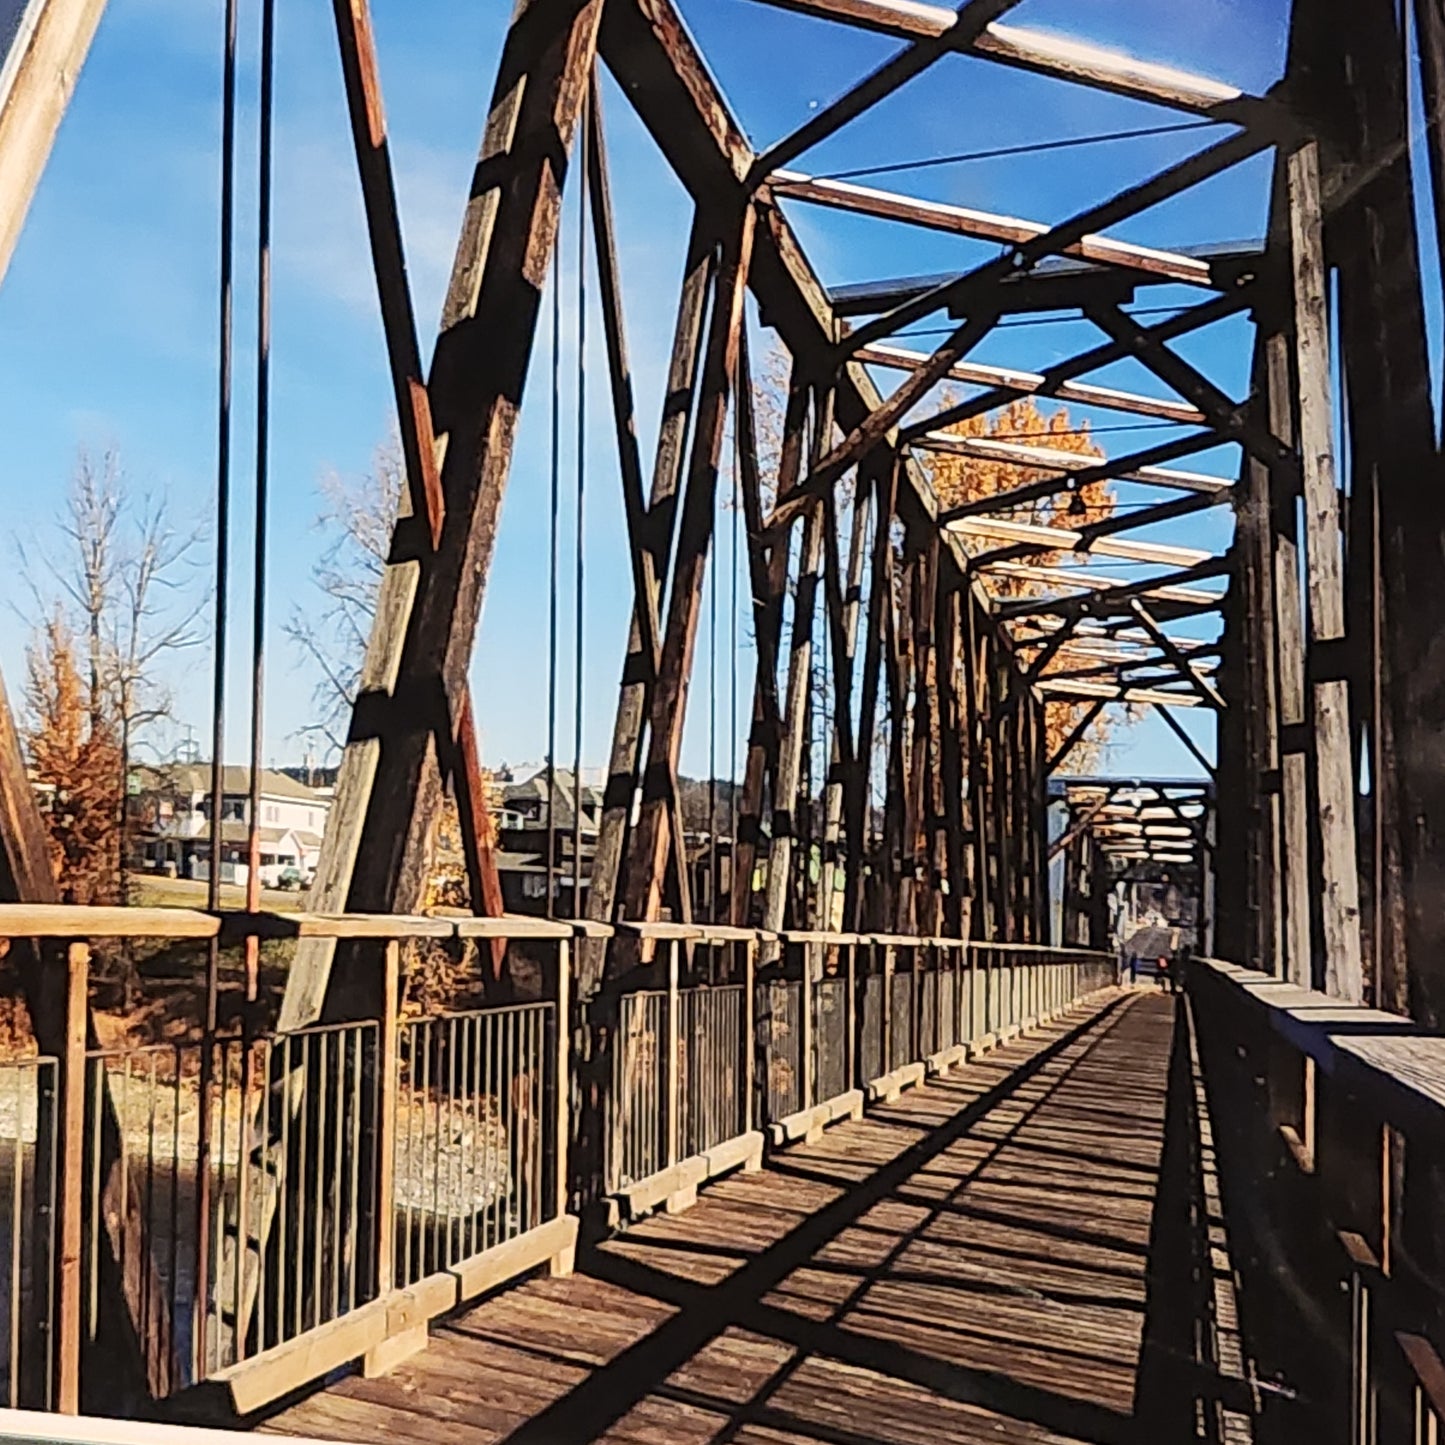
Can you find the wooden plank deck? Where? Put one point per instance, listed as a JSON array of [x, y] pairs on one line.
[[972, 1263]]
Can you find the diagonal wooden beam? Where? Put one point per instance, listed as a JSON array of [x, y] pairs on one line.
[[1064, 374], [966, 24], [1039, 537], [1233, 419], [961, 294], [1141, 466], [389, 783], [1045, 53], [1178, 730], [1187, 667], [879, 422], [1112, 594], [388, 258], [48, 44], [652, 839]]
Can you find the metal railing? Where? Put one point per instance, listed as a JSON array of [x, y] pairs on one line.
[[256, 1194]]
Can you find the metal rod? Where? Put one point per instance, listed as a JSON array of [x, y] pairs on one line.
[[263, 453], [581, 547], [218, 663]]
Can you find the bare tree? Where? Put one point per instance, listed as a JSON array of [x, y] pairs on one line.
[[358, 515], [120, 581]]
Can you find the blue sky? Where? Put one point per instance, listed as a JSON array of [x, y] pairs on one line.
[[108, 314]]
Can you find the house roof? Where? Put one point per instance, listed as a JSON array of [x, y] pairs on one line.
[[534, 790], [196, 778]]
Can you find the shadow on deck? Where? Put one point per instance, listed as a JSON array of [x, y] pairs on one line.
[[1029, 1249]]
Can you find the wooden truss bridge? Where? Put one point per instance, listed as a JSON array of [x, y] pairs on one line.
[[889, 1148]]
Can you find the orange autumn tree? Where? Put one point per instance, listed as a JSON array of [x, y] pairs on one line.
[[74, 747], [959, 480]]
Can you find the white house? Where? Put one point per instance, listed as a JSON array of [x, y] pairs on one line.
[[173, 808]]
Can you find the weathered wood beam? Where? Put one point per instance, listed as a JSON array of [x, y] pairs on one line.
[[388, 258], [982, 225], [1065, 539], [1045, 53], [1178, 730], [1112, 692], [1064, 374], [38, 74], [1188, 668], [963, 28], [1343, 963], [648, 853], [787, 796], [768, 575], [965, 293], [1075, 471], [389, 783], [1103, 595], [975, 373], [650, 537]]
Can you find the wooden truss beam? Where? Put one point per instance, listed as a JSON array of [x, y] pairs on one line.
[[38, 73], [1082, 393], [1063, 539], [1046, 54], [1065, 373], [1070, 474], [983, 225], [963, 27], [389, 782]]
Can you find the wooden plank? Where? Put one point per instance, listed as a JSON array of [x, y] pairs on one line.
[[478, 828], [37, 78], [1065, 539], [1344, 970]]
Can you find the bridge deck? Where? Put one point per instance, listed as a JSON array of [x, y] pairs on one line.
[[979, 1261]]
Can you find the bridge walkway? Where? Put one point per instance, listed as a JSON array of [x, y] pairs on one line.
[[1018, 1252]]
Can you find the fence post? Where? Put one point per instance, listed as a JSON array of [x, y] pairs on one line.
[[669, 1063], [562, 1262], [885, 1051], [850, 1021], [70, 1184], [805, 1047], [750, 1034]]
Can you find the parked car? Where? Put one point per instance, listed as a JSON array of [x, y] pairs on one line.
[[291, 879]]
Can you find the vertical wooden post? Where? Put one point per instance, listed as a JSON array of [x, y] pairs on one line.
[[805, 1008], [851, 1021], [750, 1034], [561, 1263], [1344, 971], [70, 1184], [669, 1063], [386, 1072], [885, 1051]]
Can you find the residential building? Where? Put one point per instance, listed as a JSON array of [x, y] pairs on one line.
[[171, 812]]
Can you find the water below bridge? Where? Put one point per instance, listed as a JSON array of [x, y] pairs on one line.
[[1030, 1248]]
